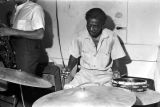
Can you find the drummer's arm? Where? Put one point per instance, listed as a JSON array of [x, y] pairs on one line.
[[116, 68], [71, 64]]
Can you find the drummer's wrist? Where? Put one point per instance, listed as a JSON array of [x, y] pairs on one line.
[[70, 76], [68, 71]]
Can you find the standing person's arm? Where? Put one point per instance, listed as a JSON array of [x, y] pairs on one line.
[[36, 34]]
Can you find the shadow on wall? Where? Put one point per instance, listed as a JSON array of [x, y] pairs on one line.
[[48, 38], [47, 42], [109, 24]]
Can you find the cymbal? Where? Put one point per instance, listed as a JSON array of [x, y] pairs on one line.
[[91, 96], [147, 97], [22, 78]]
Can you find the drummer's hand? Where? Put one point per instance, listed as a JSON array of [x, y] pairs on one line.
[[5, 31], [67, 76], [116, 74], [65, 72]]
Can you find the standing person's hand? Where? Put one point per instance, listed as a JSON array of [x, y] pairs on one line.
[[5, 31]]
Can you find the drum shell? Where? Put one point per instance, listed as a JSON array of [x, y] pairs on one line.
[[136, 84]]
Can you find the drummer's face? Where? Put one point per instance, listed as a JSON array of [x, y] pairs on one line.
[[94, 27]]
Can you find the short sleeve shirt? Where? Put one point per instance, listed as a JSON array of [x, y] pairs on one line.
[[100, 57], [28, 17]]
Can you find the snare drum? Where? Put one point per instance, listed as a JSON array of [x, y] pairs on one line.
[[132, 83]]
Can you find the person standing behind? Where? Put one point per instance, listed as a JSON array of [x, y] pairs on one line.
[[97, 47], [26, 34]]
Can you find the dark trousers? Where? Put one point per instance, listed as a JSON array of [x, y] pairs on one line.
[[27, 53], [27, 62]]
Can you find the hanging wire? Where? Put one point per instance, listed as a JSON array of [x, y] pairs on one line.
[[58, 33], [59, 41]]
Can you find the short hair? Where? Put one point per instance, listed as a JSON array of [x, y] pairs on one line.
[[33, 0], [96, 13]]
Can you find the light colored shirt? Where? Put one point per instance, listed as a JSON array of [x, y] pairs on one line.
[[100, 58], [29, 16]]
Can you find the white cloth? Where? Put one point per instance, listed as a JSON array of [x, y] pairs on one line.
[[29, 16]]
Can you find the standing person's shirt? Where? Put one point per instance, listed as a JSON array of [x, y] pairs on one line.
[[100, 58], [29, 16]]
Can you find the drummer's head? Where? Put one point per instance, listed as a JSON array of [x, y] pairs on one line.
[[95, 18], [18, 2]]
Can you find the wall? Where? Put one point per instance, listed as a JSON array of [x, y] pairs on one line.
[[140, 34]]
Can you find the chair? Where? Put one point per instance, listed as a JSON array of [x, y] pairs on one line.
[[52, 73]]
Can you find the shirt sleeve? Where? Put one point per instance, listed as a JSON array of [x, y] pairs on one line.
[[74, 49], [38, 18], [117, 50]]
